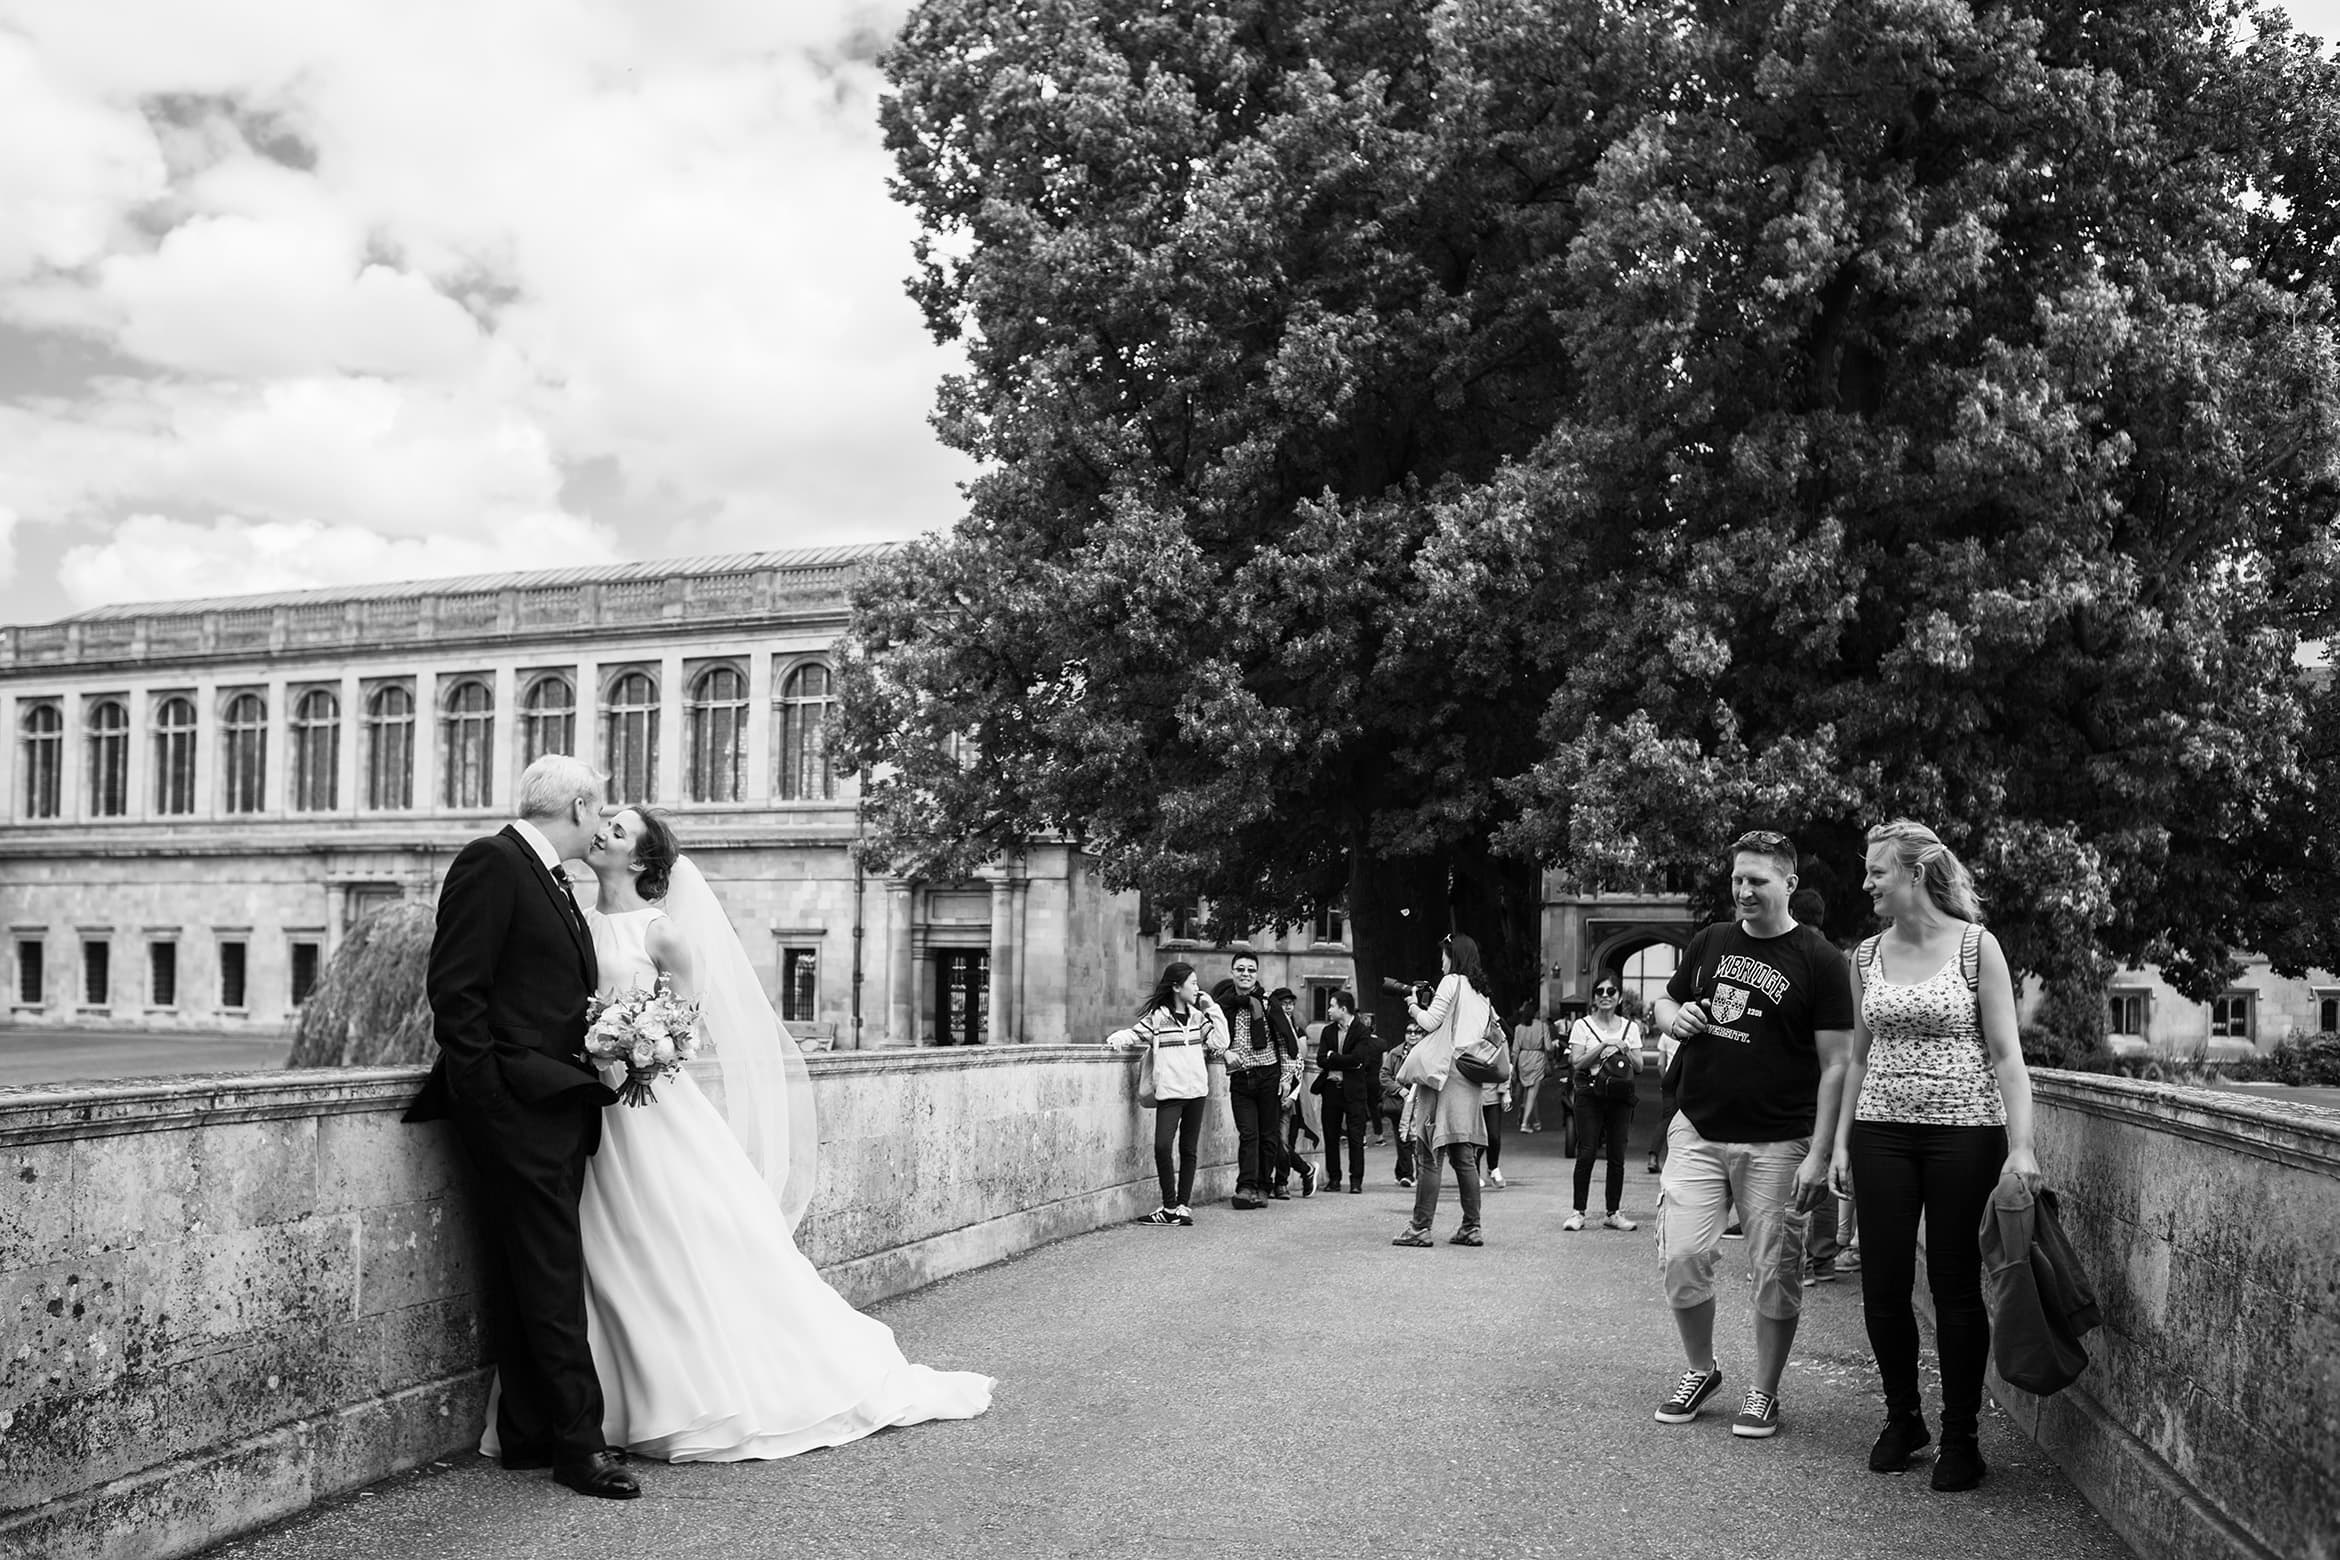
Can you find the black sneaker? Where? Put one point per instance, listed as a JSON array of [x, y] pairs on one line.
[[1158, 1216], [1307, 1179], [1468, 1235], [1689, 1396], [1758, 1416], [1959, 1464], [1903, 1435], [1278, 1194], [1735, 1232]]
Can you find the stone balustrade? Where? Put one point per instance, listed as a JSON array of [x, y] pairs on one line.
[[2209, 1222], [227, 1298]]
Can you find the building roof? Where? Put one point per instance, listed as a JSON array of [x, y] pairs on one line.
[[597, 574]]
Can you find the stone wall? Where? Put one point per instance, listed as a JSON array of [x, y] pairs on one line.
[[2209, 1223], [227, 1298]]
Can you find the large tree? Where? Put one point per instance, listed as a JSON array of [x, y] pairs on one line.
[[1971, 395], [1257, 304], [1812, 412]]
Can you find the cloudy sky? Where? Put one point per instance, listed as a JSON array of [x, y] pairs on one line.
[[341, 290]]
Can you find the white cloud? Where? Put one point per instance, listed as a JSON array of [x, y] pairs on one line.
[[400, 268], [155, 558]]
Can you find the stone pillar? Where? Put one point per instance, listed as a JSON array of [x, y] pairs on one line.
[[207, 739], [901, 972], [1018, 991], [275, 770], [761, 758], [11, 739], [667, 788], [504, 747], [347, 776], [587, 744], [426, 742], [73, 760], [1002, 1029], [138, 702]]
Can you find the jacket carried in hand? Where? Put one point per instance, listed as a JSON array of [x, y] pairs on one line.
[[2039, 1300]]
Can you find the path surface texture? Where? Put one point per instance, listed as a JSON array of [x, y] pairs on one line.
[[1286, 1383]]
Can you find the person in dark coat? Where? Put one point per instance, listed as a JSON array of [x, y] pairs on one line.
[[511, 971], [1348, 1057]]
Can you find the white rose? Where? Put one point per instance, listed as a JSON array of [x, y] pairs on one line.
[[663, 1051], [641, 1053]]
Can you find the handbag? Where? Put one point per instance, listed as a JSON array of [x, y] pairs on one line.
[[1487, 1059], [1146, 1097]]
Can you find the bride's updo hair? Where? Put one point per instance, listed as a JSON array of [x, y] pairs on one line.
[[655, 851]]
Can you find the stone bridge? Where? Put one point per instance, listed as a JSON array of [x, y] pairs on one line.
[[241, 1320]]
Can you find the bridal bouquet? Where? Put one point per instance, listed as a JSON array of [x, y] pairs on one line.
[[638, 1037]]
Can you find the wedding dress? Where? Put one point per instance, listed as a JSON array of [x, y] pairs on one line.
[[715, 1340]]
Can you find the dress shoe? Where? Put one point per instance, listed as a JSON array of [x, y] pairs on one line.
[[603, 1474], [1356, 1186]]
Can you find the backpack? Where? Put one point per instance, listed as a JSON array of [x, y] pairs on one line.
[[1609, 1078]]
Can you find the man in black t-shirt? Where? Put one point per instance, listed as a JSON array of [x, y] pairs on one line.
[[1762, 1007]]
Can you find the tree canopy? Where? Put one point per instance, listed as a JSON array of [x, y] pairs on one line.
[[1424, 442]]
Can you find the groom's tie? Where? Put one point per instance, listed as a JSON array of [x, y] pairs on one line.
[[561, 876]]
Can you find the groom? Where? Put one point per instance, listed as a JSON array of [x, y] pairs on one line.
[[511, 969]]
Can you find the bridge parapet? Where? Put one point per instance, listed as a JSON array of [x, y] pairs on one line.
[[2210, 1224], [227, 1298]]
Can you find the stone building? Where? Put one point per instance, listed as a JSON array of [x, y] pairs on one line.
[[198, 797]]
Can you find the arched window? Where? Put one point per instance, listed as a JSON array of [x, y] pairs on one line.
[[174, 757], [718, 735], [44, 761], [548, 718], [390, 748], [467, 731], [109, 758], [629, 738], [806, 775], [316, 751], [243, 744]]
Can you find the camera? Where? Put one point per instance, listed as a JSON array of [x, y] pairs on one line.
[[1419, 992]]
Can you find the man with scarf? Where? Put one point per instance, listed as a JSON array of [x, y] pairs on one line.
[[1255, 1072]]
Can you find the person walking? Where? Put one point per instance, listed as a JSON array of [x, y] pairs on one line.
[[1347, 1062], [1184, 1029], [1604, 1052], [1447, 1113], [1283, 1018], [1531, 1042], [1942, 1109], [1763, 1008]]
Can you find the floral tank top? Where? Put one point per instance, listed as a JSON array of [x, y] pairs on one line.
[[1927, 1061]]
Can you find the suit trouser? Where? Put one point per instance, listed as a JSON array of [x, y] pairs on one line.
[[1344, 1113], [530, 1161], [1252, 1096]]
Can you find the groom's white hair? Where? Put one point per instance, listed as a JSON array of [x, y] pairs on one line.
[[549, 785]]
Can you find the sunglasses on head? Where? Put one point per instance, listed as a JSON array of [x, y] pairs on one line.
[[1760, 839]]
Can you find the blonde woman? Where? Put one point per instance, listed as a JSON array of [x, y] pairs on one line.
[[1942, 1109]]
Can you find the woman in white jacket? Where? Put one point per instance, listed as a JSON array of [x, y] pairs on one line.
[[1184, 1028], [1447, 1115]]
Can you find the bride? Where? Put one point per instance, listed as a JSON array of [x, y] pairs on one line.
[[715, 1340]]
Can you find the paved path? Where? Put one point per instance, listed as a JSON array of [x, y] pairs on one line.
[[1285, 1383]]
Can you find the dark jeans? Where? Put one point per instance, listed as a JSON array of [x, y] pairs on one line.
[[1405, 1151], [1465, 1159], [1259, 1151], [1494, 1116], [1180, 1122], [1344, 1114], [1944, 1175], [1657, 1146], [1599, 1124]]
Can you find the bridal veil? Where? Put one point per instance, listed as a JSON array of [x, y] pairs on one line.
[[767, 1094]]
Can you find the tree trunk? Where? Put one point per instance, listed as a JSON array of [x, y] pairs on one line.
[[1400, 908]]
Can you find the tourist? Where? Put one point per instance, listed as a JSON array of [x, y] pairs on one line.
[[1531, 1041], [1393, 1097], [1447, 1112], [1942, 1107], [1283, 1012], [1347, 1068], [1763, 1008], [1254, 1084], [1498, 1101], [1604, 1052], [1184, 1029]]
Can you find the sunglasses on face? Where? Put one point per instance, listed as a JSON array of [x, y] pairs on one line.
[[1604, 991]]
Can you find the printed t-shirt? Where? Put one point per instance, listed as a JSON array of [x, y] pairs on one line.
[[1754, 1076]]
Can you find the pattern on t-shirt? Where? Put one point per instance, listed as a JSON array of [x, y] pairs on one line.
[[1928, 1064]]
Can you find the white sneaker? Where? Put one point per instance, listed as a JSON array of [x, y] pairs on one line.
[[1496, 1176], [1575, 1222], [1618, 1221]]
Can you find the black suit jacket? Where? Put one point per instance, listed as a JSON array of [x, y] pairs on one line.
[[511, 972]]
